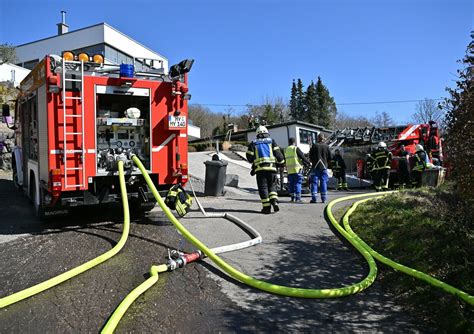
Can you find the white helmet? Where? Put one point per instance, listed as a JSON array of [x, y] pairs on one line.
[[419, 148], [382, 145], [262, 130]]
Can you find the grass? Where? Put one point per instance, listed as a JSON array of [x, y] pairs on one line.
[[432, 231]]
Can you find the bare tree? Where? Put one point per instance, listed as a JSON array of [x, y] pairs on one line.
[[7, 54], [382, 119], [427, 110], [343, 120], [204, 118]]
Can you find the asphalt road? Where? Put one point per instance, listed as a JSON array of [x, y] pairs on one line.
[[299, 249]]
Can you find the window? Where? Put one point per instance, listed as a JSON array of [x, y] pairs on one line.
[[117, 56], [91, 50], [30, 64], [308, 137]]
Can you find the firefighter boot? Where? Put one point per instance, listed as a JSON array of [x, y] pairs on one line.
[[274, 202], [266, 210]]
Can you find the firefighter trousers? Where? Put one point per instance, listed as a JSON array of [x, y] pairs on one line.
[[266, 187], [340, 176], [416, 178], [381, 179]]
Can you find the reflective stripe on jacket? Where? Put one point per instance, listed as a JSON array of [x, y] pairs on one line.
[[264, 158], [420, 161], [382, 158], [293, 164]]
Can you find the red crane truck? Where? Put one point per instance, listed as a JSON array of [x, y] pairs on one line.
[[76, 117]]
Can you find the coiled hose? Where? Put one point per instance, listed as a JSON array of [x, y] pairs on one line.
[[20, 295]]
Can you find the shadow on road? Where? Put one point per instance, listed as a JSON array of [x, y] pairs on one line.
[[17, 215], [317, 262]]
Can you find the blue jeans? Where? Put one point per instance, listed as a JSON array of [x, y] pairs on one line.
[[295, 182], [319, 179]]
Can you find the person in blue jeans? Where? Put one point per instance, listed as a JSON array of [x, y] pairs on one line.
[[320, 157], [295, 159]]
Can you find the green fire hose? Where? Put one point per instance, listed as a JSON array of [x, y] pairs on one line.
[[20, 295]]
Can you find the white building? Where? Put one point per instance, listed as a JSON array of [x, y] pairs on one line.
[[115, 46], [304, 133], [12, 74]]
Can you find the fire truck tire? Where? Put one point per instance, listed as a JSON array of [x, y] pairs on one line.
[[39, 210], [16, 182]]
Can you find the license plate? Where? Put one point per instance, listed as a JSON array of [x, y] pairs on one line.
[[177, 121]]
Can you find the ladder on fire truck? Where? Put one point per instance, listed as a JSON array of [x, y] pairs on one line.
[[363, 136], [74, 69]]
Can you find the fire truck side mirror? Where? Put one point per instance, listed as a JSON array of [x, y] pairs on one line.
[[5, 110]]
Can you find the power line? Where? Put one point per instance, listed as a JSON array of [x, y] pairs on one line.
[[337, 104]]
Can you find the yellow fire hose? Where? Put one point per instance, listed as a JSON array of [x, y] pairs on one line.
[[13, 298], [273, 288], [400, 267], [265, 286], [348, 233], [368, 253], [130, 298]]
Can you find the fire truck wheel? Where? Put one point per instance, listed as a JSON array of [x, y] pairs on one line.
[[16, 182], [40, 212]]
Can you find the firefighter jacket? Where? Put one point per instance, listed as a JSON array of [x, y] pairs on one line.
[[177, 199], [264, 154], [382, 158], [370, 162], [338, 163], [294, 159], [420, 158]]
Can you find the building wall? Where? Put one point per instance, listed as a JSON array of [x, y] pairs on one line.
[[55, 45], [102, 38], [121, 42], [12, 73]]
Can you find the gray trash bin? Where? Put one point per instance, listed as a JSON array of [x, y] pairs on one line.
[[215, 177]]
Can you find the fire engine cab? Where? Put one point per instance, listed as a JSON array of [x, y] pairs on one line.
[[76, 117]]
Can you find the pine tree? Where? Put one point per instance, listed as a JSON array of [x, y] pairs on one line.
[[300, 100], [293, 102], [311, 105], [326, 110]]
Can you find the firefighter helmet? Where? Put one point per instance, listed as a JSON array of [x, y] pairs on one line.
[[262, 130], [382, 145], [419, 147]]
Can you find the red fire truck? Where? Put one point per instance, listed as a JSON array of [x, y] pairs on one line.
[[76, 117], [357, 142]]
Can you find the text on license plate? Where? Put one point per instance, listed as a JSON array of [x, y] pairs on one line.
[[177, 121]]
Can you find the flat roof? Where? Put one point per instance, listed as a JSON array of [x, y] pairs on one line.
[[89, 27], [310, 125]]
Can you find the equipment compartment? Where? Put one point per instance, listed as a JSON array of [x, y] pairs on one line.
[[123, 129]]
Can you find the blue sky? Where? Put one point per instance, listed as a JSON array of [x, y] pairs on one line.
[[364, 51]]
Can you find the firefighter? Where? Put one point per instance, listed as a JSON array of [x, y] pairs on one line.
[[370, 163], [339, 169], [420, 158], [320, 157], [295, 159], [403, 171], [382, 159], [264, 154]]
